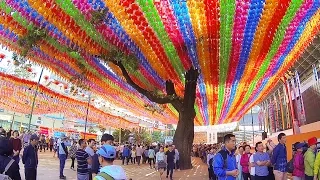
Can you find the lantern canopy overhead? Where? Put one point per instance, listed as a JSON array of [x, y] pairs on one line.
[[241, 48]]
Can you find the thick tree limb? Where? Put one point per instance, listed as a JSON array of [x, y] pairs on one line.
[[171, 97]]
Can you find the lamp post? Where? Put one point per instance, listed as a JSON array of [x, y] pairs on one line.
[[34, 99], [252, 127], [85, 125]]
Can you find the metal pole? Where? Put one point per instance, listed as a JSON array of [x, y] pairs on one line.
[[85, 125], [34, 99], [120, 135], [252, 127], [12, 120], [244, 129]]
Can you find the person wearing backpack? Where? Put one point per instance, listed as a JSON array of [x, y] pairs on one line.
[[225, 164], [309, 159], [210, 158], [107, 155], [9, 168], [298, 163], [151, 155]]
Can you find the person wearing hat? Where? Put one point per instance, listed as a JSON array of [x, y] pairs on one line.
[[309, 158], [62, 154], [30, 158], [298, 162], [107, 155], [8, 166]]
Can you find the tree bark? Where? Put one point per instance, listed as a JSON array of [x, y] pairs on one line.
[[184, 135]]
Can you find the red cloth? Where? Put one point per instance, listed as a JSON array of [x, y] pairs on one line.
[[244, 162], [16, 144]]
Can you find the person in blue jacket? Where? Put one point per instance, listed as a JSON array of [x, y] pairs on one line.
[[126, 154], [30, 158], [225, 164]]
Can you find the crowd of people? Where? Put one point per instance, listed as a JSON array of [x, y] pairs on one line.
[[94, 159], [263, 162]]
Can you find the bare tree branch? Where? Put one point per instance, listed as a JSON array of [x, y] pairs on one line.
[[171, 97]]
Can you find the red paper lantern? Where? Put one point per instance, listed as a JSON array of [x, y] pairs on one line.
[[46, 77], [65, 86], [29, 69], [56, 82], [2, 56]]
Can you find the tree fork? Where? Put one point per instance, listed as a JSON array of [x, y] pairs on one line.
[[184, 134]]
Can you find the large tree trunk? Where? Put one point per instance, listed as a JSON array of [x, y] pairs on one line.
[[183, 137], [184, 134]]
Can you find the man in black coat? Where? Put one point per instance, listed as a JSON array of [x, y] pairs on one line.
[[6, 150], [30, 158]]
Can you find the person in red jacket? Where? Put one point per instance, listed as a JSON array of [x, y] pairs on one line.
[[244, 162]]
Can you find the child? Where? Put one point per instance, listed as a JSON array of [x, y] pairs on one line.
[[107, 155], [133, 155]]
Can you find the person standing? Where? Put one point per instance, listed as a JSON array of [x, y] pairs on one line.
[[225, 165], [252, 167], [62, 154], [47, 142], [83, 161], [244, 162], [317, 167], [261, 161], [17, 146], [90, 151], [8, 166], [238, 158], [210, 159], [73, 151], [298, 163], [309, 159], [43, 143], [177, 158], [26, 139], [134, 155], [125, 154], [145, 155], [279, 158], [139, 152], [30, 158], [170, 161], [151, 155], [51, 143], [161, 161]]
